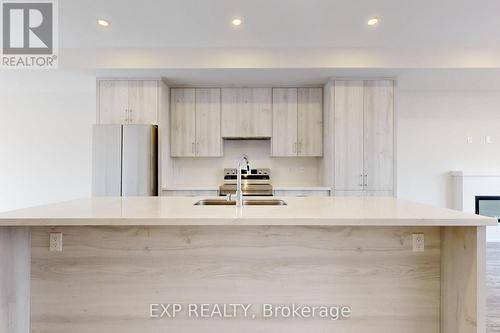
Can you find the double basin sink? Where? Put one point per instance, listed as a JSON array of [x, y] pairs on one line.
[[246, 202]]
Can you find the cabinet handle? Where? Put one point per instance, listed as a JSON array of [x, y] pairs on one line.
[[197, 148], [365, 183], [295, 147], [130, 115], [299, 149], [192, 148], [361, 180]]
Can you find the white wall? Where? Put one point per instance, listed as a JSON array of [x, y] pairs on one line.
[[433, 130], [45, 136], [285, 171]]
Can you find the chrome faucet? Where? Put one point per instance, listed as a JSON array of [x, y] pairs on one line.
[[239, 192]]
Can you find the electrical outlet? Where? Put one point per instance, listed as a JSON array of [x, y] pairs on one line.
[[418, 242], [55, 243]]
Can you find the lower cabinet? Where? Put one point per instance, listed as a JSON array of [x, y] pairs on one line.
[[302, 193], [189, 193], [363, 193]]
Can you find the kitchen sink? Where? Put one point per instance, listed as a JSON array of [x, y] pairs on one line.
[[215, 202], [246, 202]]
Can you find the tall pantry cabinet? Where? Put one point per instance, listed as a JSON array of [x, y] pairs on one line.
[[364, 137]]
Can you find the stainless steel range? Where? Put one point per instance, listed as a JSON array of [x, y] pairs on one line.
[[257, 182]]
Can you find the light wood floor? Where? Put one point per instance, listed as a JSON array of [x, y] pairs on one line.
[[493, 276]]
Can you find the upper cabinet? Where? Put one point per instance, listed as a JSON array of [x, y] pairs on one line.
[[195, 122], [143, 102], [246, 112], [285, 117], [297, 122], [201, 117], [208, 119], [364, 135], [310, 122], [128, 102], [112, 102]]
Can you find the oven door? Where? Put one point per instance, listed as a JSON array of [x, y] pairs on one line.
[[248, 190]]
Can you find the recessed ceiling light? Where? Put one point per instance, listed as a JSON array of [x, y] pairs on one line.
[[236, 22], [103, 23], [372, 21]]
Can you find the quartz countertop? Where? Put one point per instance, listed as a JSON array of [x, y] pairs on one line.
[[309, 211]]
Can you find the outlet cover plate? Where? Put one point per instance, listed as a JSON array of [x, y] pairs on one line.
[[418, 242], [55, 242]]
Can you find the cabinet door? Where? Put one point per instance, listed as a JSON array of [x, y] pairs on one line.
[[246, 112], [284, 140], [143, 102], [190, 193], [182, 122], [348, 135], [208, 137], [379, 135], [113, 102], [310, 121]]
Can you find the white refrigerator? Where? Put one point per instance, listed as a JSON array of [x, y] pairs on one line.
[[124, 160]]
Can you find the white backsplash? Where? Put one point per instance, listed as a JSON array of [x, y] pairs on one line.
[[285, 171]]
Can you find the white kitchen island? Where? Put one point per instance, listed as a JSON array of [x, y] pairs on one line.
[[120, 255]]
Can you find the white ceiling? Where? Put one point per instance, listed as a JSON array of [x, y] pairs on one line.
[[280, 23]]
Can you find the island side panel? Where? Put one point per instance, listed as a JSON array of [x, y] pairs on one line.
[[106, 277], [463, 281], [15, 252]]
